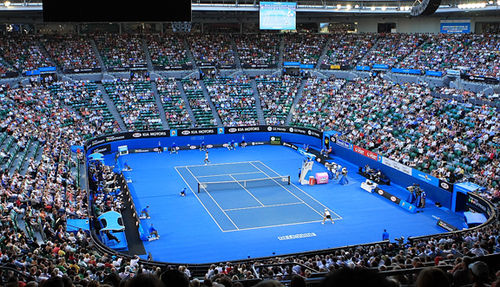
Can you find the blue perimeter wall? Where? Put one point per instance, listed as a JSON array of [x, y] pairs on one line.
[[436, 194]]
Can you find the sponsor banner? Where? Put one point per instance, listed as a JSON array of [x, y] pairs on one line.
[[425, 177], [454, 28], [173, 133], [290, 145], [446, 225], [297, 236], [142, 150], [82, 70], [275, 140], [102, 149], [477, 204], [258, 66], [232, 130], [396, 165], [380, 67], [434, 73], [9, 75], [405, 71], [446, 185], [387, 195], [344, 144], [41, 70], [306, 66], [453, 72], [408, 206], [365, 152], [482, 79], [363, 68], [291, 64], [220, 131], [190, 132], [334, 67], [226, 66], [175, 67]]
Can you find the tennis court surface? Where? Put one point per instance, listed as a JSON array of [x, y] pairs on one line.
[[250, 195]]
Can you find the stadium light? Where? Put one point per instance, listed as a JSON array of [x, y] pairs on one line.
[[339, 6], [356, 6], [6, 3], [384, 8], [348, 7], [372, 8]]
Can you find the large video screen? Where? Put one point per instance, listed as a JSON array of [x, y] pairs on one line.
[[277, 15]]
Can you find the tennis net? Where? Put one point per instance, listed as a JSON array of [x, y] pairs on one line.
[[245, 183]]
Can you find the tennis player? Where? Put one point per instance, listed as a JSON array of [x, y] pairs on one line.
[[145, 213], [153, 233], [183, 192], [206, 161], [326, 216], [202, 146]]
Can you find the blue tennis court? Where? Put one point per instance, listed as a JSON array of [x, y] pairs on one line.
[[235, 218], [234, 194]]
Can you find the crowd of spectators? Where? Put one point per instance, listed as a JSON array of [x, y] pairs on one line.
[[303, 48], [167, 50], [175, 108], [23, 52], [135, 101], [71, 52], [121, 51], [212, 49], [86, 99], [346, 50], [233, 99], [198, 103], [257, 50], [277, 94]]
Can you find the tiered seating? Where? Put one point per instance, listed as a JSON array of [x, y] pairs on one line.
[[71, 52], [257, 50], [303, 48], [23, 53], [435, 54], [276, 97], [135, 102], [233, 98], [121, 51], [167, 51], [173, 104], [480, 55], [85, 98], [346, 50], [392, 48], [317, 103], [212, 49], [199, 105]]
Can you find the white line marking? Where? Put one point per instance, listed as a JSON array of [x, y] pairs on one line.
[[225, 174], [272, 205], [340, 217], [226, 163], [199, 200], [214, 200], [248, 191], [276, 225], [288, 190]]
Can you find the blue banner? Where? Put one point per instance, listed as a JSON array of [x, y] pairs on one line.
[[408, 206], [407, 71], [434, 73], [291, 64], [425, 177], [40, 70], [220, 131], [173, 133], [306, 66], [454, 28], [380, 66], [363, 68]]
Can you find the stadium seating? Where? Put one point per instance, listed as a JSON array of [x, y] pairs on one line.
[[173, 104], [199, 105]]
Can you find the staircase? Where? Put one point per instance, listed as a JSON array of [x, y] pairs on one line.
[[296, 100], [159, 104], [98, 55], [148, 56], [215, 114], [236, 56], [112, 107], [282, 49], [323, 53], [188, 107], [258, 107]]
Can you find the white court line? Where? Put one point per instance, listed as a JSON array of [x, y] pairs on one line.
[[248, 191], [276, 225], [288, 190], [227, 163], [225, 174], [214, 201], [271, 205], [199, 200], [339, 217]]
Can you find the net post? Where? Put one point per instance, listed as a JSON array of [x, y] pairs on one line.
[[199, 187], [288, 180]]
